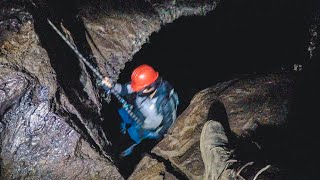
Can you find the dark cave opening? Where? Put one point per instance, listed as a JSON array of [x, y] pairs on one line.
[[236, 39]]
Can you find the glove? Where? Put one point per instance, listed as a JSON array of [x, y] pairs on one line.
[[107, 82], [153, 135], [123, 128]]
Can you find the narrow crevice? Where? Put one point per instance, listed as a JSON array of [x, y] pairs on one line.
[[169, 167], [65, 62]]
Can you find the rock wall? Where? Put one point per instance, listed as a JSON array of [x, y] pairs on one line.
[[38, 141]]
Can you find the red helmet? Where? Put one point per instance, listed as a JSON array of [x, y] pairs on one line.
[[142, 77]]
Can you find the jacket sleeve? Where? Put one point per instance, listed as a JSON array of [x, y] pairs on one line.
[[122, 90]]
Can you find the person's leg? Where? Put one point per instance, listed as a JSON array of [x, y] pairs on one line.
[[215, 155], [130, 136], [126, 118], [136, 135], [218, 161], [128, 151]]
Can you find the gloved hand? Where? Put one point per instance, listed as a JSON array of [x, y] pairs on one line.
[[108, 82], [153, 135], [123, 128]]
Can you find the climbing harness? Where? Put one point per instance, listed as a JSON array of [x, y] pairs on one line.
[[124, 103]]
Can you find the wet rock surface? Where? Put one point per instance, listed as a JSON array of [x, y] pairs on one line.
[[37, 140], [246, 105], [40, 144]]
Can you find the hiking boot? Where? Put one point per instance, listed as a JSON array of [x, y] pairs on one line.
[[214, 152], [217, 158]]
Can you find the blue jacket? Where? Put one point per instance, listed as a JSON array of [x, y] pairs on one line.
[[157, 113]]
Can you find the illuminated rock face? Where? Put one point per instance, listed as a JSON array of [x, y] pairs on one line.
[[37, 138], [49, 102]]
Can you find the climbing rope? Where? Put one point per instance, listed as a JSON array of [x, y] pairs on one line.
[[124, 103]]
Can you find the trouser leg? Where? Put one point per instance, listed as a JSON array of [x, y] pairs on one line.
[[214, 152]]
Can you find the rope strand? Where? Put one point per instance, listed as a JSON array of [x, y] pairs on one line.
[[96, 72]]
